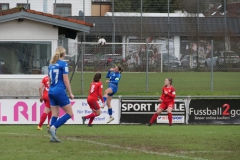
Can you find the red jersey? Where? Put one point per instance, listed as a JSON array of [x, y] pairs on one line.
[[171, 94], [95, 90], [45, 82]]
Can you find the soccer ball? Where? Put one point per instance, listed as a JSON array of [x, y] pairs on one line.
[[102, 41]]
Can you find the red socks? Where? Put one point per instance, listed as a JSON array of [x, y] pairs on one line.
[[91, 120], [49, 116], [91, 116], [170, 118], [43, 118], [153, 119]]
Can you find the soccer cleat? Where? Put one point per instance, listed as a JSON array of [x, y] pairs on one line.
[[48, 126], [54, 138], [170, 124], [83, 119], [89, 125], [51, 139], [54, 141], [148, 124], [103, 105], [39, 128], [110, 119]]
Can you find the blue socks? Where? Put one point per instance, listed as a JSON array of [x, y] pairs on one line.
[[53, 120], [110, 111], [104, 99], [62, 120]]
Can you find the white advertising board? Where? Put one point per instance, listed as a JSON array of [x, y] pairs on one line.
[[29, 111]]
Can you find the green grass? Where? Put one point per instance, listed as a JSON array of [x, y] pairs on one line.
[[123, 142], [185, 83]]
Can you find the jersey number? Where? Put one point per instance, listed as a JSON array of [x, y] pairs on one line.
[[54, 74], [92, 88]]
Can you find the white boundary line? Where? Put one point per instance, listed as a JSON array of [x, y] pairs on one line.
[[133, 149], [111, 145]]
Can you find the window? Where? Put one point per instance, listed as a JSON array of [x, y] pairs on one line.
[[4, 6], [25, 5], [22, 57], [63, 9]]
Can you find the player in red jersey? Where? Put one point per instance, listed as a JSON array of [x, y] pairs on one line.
[[43, 92], [167, 99], [95, 92]]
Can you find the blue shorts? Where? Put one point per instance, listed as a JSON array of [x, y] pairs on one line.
[[58, 98], [114, 90]]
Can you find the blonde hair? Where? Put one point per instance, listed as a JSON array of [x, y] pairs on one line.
[[60, 51]]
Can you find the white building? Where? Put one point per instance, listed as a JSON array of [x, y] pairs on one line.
[[28, 40], [63, 8], [174, 41]]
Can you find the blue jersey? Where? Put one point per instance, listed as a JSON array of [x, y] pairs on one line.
[[56, 72], [114, 78], [57, 91]]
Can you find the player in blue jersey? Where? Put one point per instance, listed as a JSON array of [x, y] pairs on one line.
[[114, 75], [59, 82]]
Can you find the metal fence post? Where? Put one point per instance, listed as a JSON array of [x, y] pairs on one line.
[[161, 62], [168, 35], [82, 68], [212, 66], [83, 48], [113, 31], [147, 67], [141, 22]]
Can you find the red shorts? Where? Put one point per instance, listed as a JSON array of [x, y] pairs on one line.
[[46, 100], [165, 105], [93, 103]]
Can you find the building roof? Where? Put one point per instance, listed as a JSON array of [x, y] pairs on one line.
[[158, 26], [233, 10], [21, 13]]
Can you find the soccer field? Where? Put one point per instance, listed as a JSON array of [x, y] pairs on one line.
[[123, 142], [185, 83]]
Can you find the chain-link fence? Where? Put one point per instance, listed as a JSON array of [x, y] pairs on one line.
[[156, 56], [184, 30], [196, 42], [146, 66], [133, 56]]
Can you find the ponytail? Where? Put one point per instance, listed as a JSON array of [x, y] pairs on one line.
[[59, 53]]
